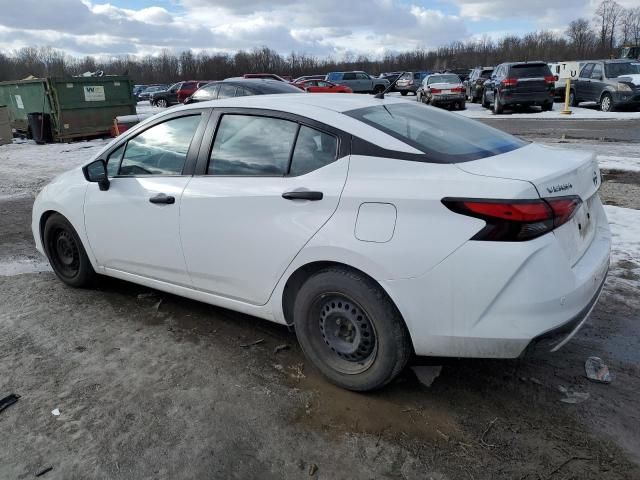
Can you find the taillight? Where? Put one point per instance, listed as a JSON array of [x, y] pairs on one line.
[[549, 79], [435, 90], [516, 220], [458, 89], [509, 82]]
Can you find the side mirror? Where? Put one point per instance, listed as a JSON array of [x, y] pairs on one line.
[[96, 172], [188, 100]]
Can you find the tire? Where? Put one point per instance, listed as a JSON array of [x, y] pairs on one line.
[[498, 108], [403, 93], [485, 104], [547, 107], [162, 103], [66, 253], [573, 101], [378, 89], [350, 330], [606, 103]]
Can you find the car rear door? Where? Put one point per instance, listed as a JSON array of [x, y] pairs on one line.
[[349, 79], [266, 185], [133, 227], [365, 84]]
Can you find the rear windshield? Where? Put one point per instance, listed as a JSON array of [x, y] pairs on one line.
[[532, 70], [486, 73], [442, 136], [614, 70], [443, 79]]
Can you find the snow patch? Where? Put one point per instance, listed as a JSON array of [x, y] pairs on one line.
[[10, 267], [475, 110], [625, 248]]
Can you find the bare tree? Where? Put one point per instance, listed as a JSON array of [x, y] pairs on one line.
[[630, 26], [607, 17], [581, 36]]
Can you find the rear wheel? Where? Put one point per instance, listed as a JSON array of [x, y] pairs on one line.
[[162, 103], [378, 89], [403, 93], [606, 103], [65, 252], [485, 102], [350, 330], [547, 106], [497, 105]]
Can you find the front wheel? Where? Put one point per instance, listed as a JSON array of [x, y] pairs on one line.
[[350, 330], [378, 89], [546, 107], [403, 93], [606, 104], [65, 252], [485, 102], [162, 103], [573, 101]]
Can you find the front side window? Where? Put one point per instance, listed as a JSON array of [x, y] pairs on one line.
[[442, 136], [586, 71], [313, 150], [349, 76], [252, 145], [113, 161], [160, 150], [206, 93], [227, 91]]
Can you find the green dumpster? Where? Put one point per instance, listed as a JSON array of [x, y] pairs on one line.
[[79, 107]]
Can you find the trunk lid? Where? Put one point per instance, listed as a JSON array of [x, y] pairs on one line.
[[554, 172]]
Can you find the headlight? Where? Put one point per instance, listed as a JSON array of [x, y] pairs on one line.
[[623, 87]]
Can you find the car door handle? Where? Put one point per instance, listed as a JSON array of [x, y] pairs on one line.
[[163, 199], [302, 195]]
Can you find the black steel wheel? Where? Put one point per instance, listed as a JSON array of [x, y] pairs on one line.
[[65, 252], [350, 330]]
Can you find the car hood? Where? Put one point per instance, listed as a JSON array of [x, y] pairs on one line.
[[635, 78]]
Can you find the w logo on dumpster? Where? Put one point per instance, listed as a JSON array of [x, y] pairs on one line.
[[94, 93]]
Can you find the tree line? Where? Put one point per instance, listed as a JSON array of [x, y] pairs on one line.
[[599, 37]]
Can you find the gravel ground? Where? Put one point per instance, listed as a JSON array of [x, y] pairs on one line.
[[150, 385]]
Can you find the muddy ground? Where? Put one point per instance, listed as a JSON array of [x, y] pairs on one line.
[[150, 385]]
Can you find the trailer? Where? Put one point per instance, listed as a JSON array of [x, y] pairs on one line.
[[75, 107]]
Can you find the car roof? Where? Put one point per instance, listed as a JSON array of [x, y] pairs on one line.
[[327, 108]]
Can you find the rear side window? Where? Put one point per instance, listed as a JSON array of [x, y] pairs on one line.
[[313, 150], [333, 77], [226, 91], [161, 149], [362, 76], [532, 70], [252, 145], [349, 76], [443, 137]]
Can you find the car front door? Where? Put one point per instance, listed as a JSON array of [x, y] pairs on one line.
[[349, 79], [583, 84], [265, 187], [597, 84], [133, 227]]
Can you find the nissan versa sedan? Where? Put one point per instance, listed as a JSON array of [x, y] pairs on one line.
[[377, 228]]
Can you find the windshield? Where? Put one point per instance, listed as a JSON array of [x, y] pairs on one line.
[[443, 79], [614, 70], [444, 137], [486, 73]]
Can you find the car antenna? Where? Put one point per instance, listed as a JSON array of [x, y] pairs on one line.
[[381, 94]]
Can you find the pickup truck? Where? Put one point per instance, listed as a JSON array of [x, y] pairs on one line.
[[359, 82]]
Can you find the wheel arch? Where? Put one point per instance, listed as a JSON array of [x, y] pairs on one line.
[[299, 276]]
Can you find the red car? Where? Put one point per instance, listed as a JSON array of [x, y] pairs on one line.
[[322, 86]]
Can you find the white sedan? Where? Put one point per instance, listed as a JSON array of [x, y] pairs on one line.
[[378, 228]]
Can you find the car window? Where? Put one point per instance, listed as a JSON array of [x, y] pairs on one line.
[[444, 79], [313, 150], [206, 93], [614, 70], [161, 149], [252, 145], [227, 91], [188, 86], [586, 71], [241, 92], [362, 76], [597, 71], [349, 76], [113, 161], [320, 83], [333, 77], [530, 70], [443, 137], [486, 73]]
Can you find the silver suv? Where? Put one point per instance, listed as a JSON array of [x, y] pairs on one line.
[[359, 82]]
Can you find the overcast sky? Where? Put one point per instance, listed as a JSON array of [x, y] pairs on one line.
[[318, 27]]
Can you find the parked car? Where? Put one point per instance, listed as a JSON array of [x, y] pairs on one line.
[[239, 88], [570, 68], [359, 82], [463, 73], [610, 83], [315, 213], [442, 90], [271, 76], [308, 77], [473, 84], [519, 83], [322, 86], [390, 77], [146, 93], [176, 93], [137, 89], [409, 82]]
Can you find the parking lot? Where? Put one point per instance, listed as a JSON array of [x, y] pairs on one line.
[[150, 385]]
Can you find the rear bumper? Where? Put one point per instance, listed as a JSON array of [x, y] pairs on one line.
[[406, 88], [492, 299], [447, 99], [534, 98]]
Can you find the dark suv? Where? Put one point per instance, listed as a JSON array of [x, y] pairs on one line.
[[521, 83], [240, 88], [609, 83], [473, 84]]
